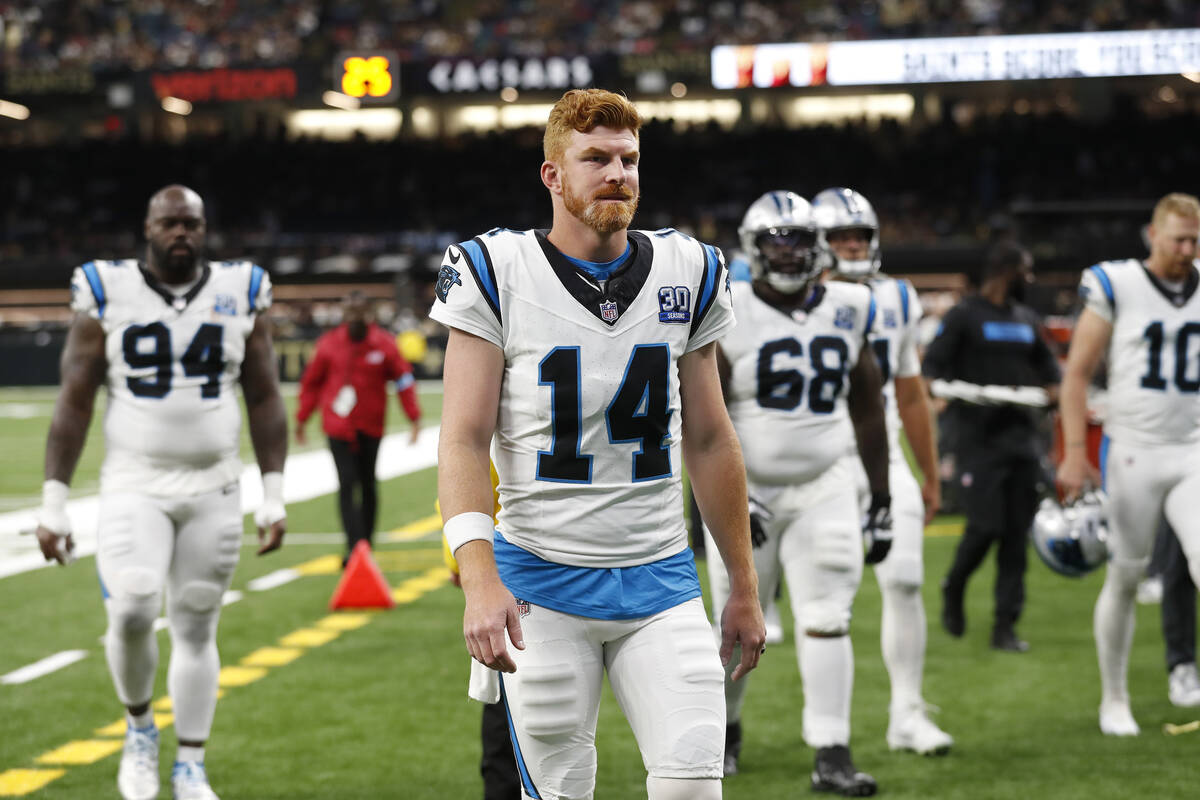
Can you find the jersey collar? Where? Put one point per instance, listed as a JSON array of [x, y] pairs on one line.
[[1175, 298], [621, 288], [177, 302]]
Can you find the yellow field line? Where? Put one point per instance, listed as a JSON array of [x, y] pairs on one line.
[[253, 667], [415, 530]]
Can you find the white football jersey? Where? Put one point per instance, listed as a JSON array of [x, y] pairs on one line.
[[787, 393], [894, 339], [172, 424], [1153, 355], [588, 430]]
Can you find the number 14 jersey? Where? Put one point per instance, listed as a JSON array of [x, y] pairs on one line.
[[172, 423], [587, 442]]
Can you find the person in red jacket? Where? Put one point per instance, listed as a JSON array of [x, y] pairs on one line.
[[348, 377]]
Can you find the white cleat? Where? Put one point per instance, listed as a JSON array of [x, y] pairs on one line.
[[1117, 720], [914, 730], [137, 777], [1183, 687], [189, 782]]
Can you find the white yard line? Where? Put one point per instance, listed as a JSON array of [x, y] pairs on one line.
[[306, 475], [272, 579], [44, 667]]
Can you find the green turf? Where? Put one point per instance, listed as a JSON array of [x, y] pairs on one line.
[[381, 711]]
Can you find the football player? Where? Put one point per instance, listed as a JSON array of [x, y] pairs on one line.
[[848, 232], [170, 339], [802, 387], [1144, 316], [584, 359]]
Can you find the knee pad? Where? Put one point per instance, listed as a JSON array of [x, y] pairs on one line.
[[199, 597], [900, 573], [1126, 574], [825, 617], [838, 551], [549, 704], [683, 788], [194, 610], [135, 601]]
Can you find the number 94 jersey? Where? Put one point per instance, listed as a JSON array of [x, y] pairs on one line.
[[587, 441], [787, 392], [172, 423]]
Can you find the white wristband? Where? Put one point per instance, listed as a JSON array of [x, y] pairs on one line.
[[273, 487], [53, 513], [468, 526]]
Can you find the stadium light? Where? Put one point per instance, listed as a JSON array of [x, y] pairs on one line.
[[678, 90], [13, 110], [340, 100], [176, 105], [509, 94]]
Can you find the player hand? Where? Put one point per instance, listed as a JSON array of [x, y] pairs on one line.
[[931, 494], [1074, 473], [301, 435], [742, 623], [760, 515], [491, 611], [877, 529], [271, 537], [55, 546]]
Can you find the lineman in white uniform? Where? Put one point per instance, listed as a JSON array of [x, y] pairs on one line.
[[848, 231], [1145, 317], [785, 369], [584, 359], [169, 340]]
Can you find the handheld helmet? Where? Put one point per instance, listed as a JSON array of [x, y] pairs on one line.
[[1072, 539], [779, 238], [841, 209]]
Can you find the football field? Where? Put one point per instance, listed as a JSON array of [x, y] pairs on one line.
[[373, 705]]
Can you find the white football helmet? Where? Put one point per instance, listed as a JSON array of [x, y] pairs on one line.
[[1072, 540], [840, 209], [779, 238]]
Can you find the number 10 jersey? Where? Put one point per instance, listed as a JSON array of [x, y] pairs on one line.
[[172, 423], [587, 442]]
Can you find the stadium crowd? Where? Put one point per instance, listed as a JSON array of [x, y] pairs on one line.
[[142, 34], [307, 200]]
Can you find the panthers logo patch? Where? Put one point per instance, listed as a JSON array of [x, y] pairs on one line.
[[448, 277]]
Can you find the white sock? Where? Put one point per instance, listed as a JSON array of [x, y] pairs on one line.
[[1112, 624], [187, 753], [902, 635], [140, 721], [827, 669]]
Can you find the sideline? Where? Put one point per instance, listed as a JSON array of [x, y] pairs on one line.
[[305, 476]]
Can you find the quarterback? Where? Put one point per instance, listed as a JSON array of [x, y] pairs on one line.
[[848, 232], [169, 339], [802, 387], [584, 358], [1145, 317]]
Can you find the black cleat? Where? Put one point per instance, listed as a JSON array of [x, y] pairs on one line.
[[833, 771], [733, 747], [1006, 639], [954, 619]]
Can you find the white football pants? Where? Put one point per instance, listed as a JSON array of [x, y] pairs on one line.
[[185, 549]]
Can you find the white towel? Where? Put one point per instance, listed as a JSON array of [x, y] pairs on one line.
[[484, 685]]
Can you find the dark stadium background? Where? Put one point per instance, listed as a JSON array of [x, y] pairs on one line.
[[92, 94]]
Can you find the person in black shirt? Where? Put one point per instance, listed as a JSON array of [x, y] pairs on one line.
[[990, 360]]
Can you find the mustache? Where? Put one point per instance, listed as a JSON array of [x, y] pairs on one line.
[[620, 194]]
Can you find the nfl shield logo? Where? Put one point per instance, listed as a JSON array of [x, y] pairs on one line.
[[608, 311]]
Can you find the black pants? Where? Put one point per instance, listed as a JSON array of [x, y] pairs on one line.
[[357, 487], [1000, 496], [498, 766], [1178, 600]]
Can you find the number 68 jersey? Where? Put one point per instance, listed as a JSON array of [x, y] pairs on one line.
[[787, 392], [172, 423], [587, 442]]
